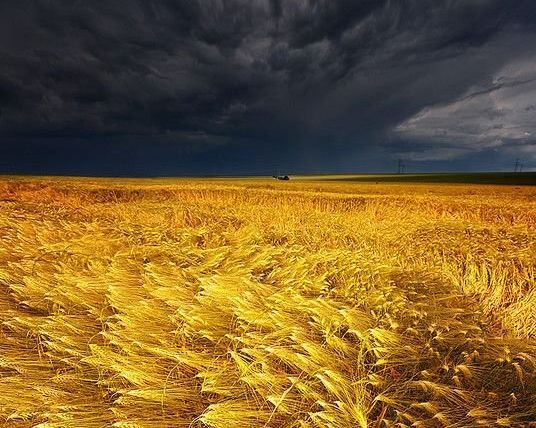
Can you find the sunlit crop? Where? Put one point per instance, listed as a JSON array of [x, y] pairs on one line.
[[256, 303]]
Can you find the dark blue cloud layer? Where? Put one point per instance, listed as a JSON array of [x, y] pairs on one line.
[[227, 87]]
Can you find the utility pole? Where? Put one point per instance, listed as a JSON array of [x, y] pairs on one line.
[[400, 166]]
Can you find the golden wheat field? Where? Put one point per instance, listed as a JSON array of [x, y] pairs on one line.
[[257, 303]]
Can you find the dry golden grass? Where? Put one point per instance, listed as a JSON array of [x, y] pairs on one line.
[[224, 304]]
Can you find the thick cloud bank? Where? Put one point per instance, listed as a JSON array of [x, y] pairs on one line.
[[244, 86], [501, 116]]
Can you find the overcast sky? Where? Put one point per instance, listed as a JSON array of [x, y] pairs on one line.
[[258, 86]]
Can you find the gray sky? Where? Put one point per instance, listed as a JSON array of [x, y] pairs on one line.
[[258, 86]]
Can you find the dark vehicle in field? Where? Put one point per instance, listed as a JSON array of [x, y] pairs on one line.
[[281, 177]]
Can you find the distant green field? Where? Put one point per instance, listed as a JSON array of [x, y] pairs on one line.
[[506, 178], [511, 178]]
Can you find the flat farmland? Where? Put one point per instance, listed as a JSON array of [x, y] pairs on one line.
[[261, 303]]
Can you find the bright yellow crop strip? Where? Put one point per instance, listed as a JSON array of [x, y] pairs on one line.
[[256, 303]]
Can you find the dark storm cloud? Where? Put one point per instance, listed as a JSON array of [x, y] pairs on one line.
[[317, 84]]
